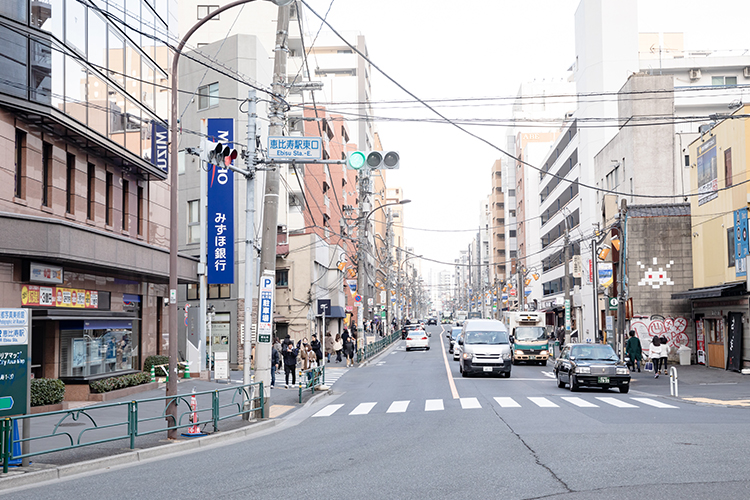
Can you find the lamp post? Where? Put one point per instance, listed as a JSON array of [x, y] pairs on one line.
[[174, 208], [361, 278]]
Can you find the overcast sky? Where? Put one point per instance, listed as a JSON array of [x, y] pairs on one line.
[[483, 48]]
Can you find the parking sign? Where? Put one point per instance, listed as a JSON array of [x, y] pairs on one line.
[[265, 308]]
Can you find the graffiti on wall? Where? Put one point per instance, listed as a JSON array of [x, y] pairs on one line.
[[675, 329], [655, 279]]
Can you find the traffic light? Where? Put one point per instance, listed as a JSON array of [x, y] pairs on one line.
[[388, 160], [220, 154]]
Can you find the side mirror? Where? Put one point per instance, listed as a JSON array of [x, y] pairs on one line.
[[511, 339], [460, 341]]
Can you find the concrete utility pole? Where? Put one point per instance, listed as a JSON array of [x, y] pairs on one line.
[[621, 295], [250, 254], [389, 270], [364, 189], [271, 195], [566, 284]]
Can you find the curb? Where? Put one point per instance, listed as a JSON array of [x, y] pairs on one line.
[[131, 457], [368, 360]]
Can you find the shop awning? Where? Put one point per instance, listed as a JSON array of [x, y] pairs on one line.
[[727, 290], [336, 312]]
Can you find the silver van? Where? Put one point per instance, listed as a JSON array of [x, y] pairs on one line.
[[485, 348]]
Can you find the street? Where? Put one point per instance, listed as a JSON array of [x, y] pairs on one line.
[[399, 427]]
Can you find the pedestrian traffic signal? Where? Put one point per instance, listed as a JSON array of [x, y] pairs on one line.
[[221, 155], [387, 160]]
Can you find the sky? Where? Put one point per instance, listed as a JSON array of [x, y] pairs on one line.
[[486, 48]]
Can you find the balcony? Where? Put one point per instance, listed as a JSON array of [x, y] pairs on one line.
[[282, 242]]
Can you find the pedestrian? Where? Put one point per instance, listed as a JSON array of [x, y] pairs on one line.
[[316, 348], [287, 341], [654, 354], [275, 361], [345, 335], [338, 346], [349, 351], [303, 356], [290, 364], [329, 347], [635, 353], [664, 352]]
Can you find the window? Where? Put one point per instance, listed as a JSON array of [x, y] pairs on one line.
[[208, 96], [204, 10], [728, 166], [511, 192], [730, 246], [125, 205], [90, 190], [511, 213], [282, 277], [46, 174], [70, 183], [612, 178], [512, 233], [108, 199], [194, 221], [139, 208], [214, 292], [724, 80], [20, 156]]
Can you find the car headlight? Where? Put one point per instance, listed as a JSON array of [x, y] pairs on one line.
[[518, 351], [622, 370], [506, 355], [466, 355], [543, 353], [583, 369]]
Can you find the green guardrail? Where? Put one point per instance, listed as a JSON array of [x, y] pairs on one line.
[[310, 379], [371, 350], [224, 404]]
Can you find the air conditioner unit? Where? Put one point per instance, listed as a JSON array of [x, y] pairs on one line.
[[694, 74], [746, 71]]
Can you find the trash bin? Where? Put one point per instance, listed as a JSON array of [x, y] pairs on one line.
[[684, 352]]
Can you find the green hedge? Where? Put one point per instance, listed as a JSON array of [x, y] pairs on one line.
[[47, 391], [114, 383], [155, 360]]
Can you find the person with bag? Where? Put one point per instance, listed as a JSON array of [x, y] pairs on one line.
[[316, 348], [654, 354], [275, 362], [349, 351], [290, 364], [338, 346], [635, 353], [329, 347], [664, 352]]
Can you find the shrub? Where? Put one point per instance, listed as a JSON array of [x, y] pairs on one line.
[[114, 383], [47, 391], [155, 360]]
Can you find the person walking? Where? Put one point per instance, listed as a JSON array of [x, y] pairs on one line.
[[315, 346], [349, 351], [290, 364], [635, 353], [654, 354], [338, 346], [664, 352], [275, 362], [329, 347]]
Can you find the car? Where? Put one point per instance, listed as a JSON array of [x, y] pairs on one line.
[[417, 339], [457, 347], [591, 365], [408, 328], [453, 335], [432, 321], [485, 348]]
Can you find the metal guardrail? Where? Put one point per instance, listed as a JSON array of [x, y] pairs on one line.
[[371, 350], [132, 425], [312, 378]]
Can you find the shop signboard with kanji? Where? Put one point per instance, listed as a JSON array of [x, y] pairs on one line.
[[220, 212], [14, 361]]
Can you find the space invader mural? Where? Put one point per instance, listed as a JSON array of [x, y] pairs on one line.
[[655, 278]]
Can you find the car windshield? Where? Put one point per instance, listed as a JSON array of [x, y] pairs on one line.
[[486, 338], [596, 352], [530, 333], [455, 333]]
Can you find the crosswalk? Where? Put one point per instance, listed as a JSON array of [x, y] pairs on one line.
[[471, 403], [333, 374]]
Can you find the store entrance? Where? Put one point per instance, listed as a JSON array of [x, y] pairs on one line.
[[714, 330]]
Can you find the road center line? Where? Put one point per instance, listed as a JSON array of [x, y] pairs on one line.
[[454, 391]]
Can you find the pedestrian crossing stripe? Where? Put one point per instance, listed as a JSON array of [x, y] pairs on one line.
[[333, 374], [503, 402]]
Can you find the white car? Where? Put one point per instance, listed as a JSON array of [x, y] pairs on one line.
[[457, 349], [417, 339]]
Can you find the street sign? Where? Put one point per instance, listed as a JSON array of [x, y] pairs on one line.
[[567, 315], [14, 362], [265, 308], [295, 148], [613, 303], [358, 298]]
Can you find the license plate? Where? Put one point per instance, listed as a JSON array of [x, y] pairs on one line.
[[604, 380], [487, 368], [532, 357]]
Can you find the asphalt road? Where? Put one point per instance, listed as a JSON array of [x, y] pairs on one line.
[[402, 427]]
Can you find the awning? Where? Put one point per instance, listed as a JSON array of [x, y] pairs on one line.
[[728, 290], [336, 312]]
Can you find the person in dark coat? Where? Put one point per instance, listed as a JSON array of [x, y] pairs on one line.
[[349, 351], [290, 364], [315, 345], [275, 363], [287, 341], [635, 353]]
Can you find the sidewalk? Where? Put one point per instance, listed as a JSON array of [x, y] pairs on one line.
[[699, 384]]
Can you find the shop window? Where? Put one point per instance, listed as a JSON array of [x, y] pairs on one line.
[[98, 347]]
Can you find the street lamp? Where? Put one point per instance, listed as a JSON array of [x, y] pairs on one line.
[[174, 208], [361, 278]]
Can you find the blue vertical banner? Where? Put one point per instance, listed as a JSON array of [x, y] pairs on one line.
[[220, 218], [740, 242], [160, 146]]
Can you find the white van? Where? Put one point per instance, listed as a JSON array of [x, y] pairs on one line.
[[485, 348]]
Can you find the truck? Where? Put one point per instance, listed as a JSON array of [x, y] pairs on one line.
[[528, 337], [460, 317]]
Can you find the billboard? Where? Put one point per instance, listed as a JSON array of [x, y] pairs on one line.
[[708, 183], [220, 213]]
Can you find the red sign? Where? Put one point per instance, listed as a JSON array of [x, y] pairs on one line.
[[49, 296]]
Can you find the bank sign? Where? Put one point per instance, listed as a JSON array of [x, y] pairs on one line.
[[220, 213], [160, 146]]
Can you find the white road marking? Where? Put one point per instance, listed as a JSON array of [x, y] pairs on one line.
[[543, 403], [470, 403], [363, 409], [507, 402], [654, 403], [433, 405], [548, 374], [328, 411], [616, 402], [580, 402], [398, 407]]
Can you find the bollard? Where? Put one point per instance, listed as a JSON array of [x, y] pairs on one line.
[[673, 389], [153, 374]]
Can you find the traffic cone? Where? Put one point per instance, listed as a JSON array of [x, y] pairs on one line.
[[186, 374], [153, 374], [193, 430]]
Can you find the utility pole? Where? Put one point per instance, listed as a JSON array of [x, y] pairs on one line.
[[566, 284], [271, 192], [364, 189], [621, 295], [389, 268], [250, 253]]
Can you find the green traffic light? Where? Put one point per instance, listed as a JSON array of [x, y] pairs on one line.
[[356, 160]]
